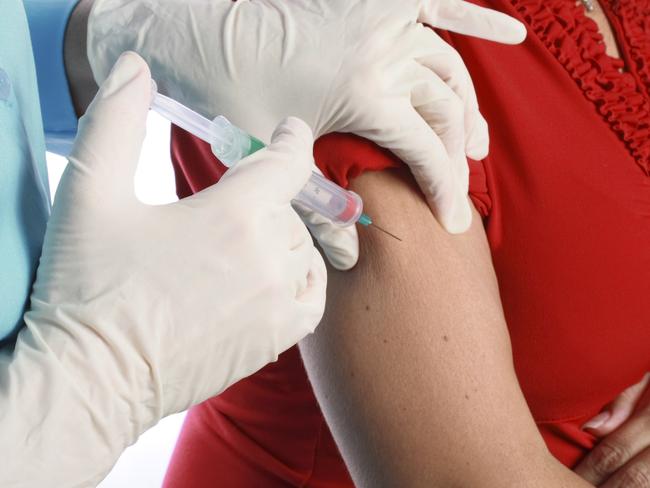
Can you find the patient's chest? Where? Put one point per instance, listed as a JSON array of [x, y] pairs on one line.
[[568, 175]]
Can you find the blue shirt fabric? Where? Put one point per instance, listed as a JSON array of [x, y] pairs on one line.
[[24, 192], [47, 21]]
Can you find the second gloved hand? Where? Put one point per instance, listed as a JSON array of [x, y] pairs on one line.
[[141, 311], [368, 67]]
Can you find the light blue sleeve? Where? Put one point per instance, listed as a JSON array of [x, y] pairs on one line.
[[48, 20], [24, 193]]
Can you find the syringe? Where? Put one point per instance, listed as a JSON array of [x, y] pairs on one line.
[[230, 144]]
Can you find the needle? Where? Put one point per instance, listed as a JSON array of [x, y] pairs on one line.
[[375, 226]]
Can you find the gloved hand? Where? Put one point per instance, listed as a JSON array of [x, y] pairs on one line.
[[369, 67], [141, 311]]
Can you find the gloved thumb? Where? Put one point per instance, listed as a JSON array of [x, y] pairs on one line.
[[279, 171], [111, 132]]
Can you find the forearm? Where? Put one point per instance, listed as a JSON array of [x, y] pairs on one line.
[[51, 435], [412, 363], [80, 77]]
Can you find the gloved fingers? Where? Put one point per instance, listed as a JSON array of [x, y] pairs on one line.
[[300, 254], [340, 244], [279, 171], [305, 311], [111, 132], [444, 112], [447, 64], [304, 268], [311, 300], [466, 18], [402, 130]]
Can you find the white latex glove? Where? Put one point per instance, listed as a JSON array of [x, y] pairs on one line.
[[368, 67], [142, 311]]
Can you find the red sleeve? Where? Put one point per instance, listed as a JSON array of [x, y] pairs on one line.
[[341, 158]]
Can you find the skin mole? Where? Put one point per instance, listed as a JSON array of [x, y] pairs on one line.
[[445, 338]]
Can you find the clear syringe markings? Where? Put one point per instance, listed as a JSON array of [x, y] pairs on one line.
[[230, 144]]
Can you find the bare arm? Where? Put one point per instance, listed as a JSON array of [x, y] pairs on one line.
[[412, 363]]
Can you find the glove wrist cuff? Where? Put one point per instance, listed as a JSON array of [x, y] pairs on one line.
[[108, 373]]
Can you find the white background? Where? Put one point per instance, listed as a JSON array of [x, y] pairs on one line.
[[143, 464]]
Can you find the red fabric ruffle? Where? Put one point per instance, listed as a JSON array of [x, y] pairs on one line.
[[575, 41]]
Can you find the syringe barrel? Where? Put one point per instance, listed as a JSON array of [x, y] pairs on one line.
[[230, 144], [343, 207]]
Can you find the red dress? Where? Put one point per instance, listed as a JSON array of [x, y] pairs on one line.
[[565, 196]]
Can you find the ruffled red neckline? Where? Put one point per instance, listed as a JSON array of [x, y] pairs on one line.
[[621, 96]]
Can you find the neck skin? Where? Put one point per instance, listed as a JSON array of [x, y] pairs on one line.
[[605, 28]]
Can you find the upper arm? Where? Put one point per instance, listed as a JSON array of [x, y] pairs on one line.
[[412, 363]]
